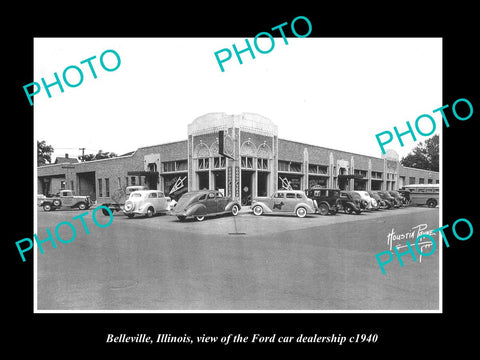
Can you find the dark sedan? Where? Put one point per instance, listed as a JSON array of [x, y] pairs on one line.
[[203, 203]]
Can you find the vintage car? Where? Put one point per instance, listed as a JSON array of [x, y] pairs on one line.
[[119, 197], [146, 202], [203, 203], [324, 200], [380, 202], [351, 202], [406, 195], [387, 198], [66, 199], [40, 199], [284, 201], [371, 202]]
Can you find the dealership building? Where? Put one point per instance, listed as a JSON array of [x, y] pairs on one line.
[[260, 164]]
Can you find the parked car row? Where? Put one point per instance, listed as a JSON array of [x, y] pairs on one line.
[[204, 203]]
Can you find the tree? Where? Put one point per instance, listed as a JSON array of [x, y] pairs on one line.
[[44, 153], [424, 155], [99, 155]]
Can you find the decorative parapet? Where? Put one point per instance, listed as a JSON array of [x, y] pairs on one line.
[[214, 122]]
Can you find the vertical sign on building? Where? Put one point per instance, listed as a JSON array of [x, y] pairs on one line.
[[237, 182], [229, 181]]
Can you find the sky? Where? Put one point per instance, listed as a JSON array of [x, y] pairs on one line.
[[332, 92]]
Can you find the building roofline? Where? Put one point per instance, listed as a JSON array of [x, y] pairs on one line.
[[409, 167], [323, 147]]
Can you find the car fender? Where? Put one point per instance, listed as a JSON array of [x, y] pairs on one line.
[[324, 202], [351, 204], [230, 205], [196, 209], [265, 207], [306, 206], [145, 206]]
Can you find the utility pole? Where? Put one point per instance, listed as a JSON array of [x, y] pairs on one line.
[[83, 153]]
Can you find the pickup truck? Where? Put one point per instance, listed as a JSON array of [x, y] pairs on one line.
[[66, 199]]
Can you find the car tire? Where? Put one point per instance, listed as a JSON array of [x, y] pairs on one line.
[[235, 210], [47, 207], [130, 216], [105, 212], [301, 212], [181, 218], [150, 212], [358, 212], [348, 209], [57, 202], [82, 206], [431, 203], [323, 209], [334, 211], [200, 218], [257, 210]]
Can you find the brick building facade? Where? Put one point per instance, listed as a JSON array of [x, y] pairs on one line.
[[261, 164]]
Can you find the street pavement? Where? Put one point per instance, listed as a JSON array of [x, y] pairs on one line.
[[266, 263]]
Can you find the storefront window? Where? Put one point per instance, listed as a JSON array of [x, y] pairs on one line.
[[182, 165], [289, 182], [218, 162], [247, 162], [203, 164], [295, 167], [262, 164]]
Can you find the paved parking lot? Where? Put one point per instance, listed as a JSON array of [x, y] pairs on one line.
[[237, 263]]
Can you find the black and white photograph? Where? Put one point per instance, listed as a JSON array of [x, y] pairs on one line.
[[253, 186], [235, 180]]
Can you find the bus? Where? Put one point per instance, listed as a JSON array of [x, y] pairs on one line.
[[423, 194]]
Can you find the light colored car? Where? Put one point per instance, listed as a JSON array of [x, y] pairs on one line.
[[40, 199], [284, 201], [371, 202], [146, 202]]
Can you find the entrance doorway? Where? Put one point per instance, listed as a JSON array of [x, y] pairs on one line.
[[86, 184], [219, 181], [203, 182], [262, 183], [247, 187]]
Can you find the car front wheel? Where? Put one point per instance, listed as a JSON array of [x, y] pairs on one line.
[[323, 209], [431, 203], [200, 217], [257, 210], [82, 206], [301, 212], [47, 207], [235, 210]]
